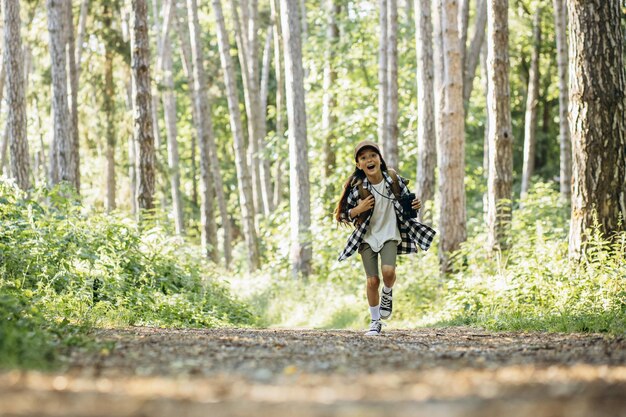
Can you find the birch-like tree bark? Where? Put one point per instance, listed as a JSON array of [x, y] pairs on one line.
[[62, 168], [82, 22], [299, 185], [169, 111], [500, 133], [73, 97], [142, 105], [451, 154], [109, 109], [183, 31], [243, 174], [437, 66], [565, 141], [16, 117], [155, 91], [330, 76], [426, 137], [463, 22], [130, 105], [473, 52], [391, 138], [383, 85], [532, 101], [264, 163], [247, 42], [598, 120], [484, 79], [182, 27], [205, 134], [280, 88], [5, 137]]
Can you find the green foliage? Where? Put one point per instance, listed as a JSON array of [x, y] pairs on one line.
[[532, 286], [59, 266]]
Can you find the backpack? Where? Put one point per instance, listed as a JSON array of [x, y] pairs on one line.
[[364, 192]]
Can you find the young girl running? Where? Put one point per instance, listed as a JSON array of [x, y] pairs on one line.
[[371, 201]]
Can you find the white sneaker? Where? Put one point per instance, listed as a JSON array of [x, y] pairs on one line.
[[386, 305], [375, 328]]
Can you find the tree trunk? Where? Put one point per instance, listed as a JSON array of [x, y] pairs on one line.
[[598, 120], [299, 186], [82, 21], [158, 8], [142, 103], [182, 27], [16, 117], [73, 85], [5, 136], [463, 22], [264, 163], [109, 111], [206, 141], [63, 169], [473, 53], [408, 10], [383, 84], [303, 20], [280, 88], [243, 174], [500, 134], [155, 91], [426, 138], [169, 107], [452, 142], [485, 84], [330, 76], [565, 141], [130, 105], [437, 66], [391, 143], [3, 150], [245, 37], [532, 101]]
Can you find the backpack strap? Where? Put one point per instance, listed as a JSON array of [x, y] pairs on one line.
[[363, 194], [395, 183]]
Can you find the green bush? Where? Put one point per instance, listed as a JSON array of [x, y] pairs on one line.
[[61, 268], [533, 285]]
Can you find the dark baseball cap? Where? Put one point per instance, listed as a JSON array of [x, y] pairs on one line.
[[365, 144]]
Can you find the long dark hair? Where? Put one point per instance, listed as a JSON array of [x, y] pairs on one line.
[[358, 174]]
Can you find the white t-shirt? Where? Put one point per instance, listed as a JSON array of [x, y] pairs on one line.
[[383, 223]]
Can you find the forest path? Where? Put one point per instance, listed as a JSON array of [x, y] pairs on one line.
[[310, 373]]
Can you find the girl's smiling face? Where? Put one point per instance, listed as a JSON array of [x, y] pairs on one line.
[[368, 160]]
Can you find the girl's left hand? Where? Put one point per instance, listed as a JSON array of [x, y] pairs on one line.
[[416, 204]]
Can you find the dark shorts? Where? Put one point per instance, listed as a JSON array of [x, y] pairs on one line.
[[388, 255]]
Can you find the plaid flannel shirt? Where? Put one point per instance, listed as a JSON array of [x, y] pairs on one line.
[[412, 232]]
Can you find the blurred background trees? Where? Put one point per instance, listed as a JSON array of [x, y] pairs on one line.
[[135, 103]]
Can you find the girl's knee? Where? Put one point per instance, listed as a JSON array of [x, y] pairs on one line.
[[373, 282], [389, 271]]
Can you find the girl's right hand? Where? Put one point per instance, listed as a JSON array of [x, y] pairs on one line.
[[365, 205]]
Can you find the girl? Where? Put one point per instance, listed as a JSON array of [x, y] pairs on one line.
[[370, 201]]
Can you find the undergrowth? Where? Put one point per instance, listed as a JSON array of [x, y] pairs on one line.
[[532, 286], [63, 272]]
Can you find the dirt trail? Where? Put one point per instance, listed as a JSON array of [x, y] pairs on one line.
[[280, 373]]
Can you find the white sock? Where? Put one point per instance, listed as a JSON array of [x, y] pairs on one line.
[[375, 312], [386, 289]]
